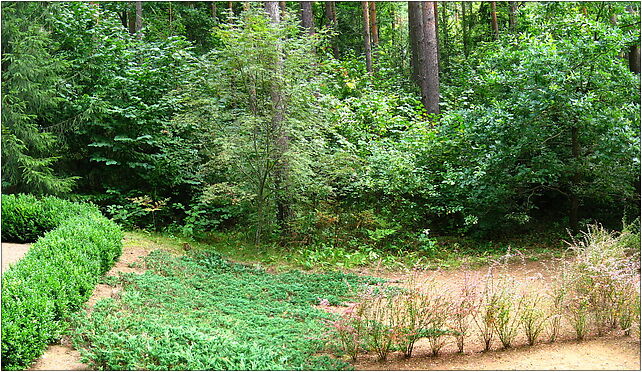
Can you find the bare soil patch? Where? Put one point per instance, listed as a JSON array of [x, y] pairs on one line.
[[606, 353], [611, 352], [63, 356], [12, 252]]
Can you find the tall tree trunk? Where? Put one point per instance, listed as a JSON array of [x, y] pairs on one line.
[[131, 19], [123, 19], [634, 59], [246, 6], [213, 9], [464, 28], [282, 140], [573, 198], [139, 19], [436, 12], [444, 52], [512, 15], [307, 17], [283, 8], [429, 59], [634, 51], [415, 34], [230, 7], [366, 35], [493, 20], [331, 22], [374, 29]]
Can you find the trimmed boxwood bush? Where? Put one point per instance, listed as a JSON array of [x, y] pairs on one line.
[[77, 245]]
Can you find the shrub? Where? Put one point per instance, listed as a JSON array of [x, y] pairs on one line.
[[463, 312], [603, 277], [485, 313], [533, 317], [25, 218], [57, 274]]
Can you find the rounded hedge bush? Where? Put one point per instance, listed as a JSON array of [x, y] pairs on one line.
[[74, 245]]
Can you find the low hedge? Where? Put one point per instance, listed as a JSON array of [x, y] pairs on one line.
[[75, 245]]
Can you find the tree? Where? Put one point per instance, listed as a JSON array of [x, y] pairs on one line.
[[415, 32], [307, 17], [429, 59], [634, 50], [331, 22], [493, 20], [31, 76], [230, 98], [465, 29], [512, 15], [139, 19], [374, 29], [366, 35]]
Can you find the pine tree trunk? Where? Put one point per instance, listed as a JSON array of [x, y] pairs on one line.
[[374, 29], [415, 33], [634, 59], [436, 12], [213, 9], [464, 28], [429, 59], [493, 20], [444, 52], [131, 19], [139, 19], [282, 8], [512, 15], [307, 19], [366, 35], [331, 22]]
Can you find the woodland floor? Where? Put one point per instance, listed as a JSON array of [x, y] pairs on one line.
[[610, 352]]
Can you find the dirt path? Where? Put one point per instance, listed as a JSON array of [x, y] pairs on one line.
[[12, 252], [606, 353], [63, 356]]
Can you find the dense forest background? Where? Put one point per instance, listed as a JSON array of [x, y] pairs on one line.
[[337, 123]]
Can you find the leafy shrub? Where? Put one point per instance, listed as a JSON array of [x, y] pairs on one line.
[[57, 274], [25, 218], [533, 317], [603, 279]]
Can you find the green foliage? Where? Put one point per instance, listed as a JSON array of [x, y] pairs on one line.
[[30, 91], [542, 118], [204, 313], [56, 276], [25, 217]]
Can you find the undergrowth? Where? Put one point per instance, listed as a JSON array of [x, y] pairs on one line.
[[205, 313]]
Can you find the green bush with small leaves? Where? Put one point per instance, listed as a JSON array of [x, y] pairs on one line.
[[56, 276]]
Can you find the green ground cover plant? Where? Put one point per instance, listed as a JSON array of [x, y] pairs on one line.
[[205, 313], [56, 276]]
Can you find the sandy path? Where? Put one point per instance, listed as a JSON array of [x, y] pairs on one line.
[[63, 356], [12, 252]]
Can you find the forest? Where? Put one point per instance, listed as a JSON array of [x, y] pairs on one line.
[[331, 137]]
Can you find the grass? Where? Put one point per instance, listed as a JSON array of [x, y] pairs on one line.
[[205, 313], [450, 252]]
